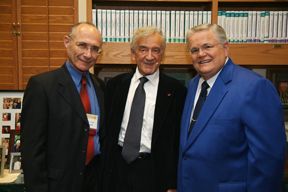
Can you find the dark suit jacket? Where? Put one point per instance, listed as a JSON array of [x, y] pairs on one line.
[[54, 132], [165, 136]]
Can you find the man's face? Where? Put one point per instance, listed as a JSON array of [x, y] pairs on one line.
[[83, 47], [208, 55], [148, 54]]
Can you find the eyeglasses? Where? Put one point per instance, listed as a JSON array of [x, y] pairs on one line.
[[145, 50], [85, 46], [205, 48]]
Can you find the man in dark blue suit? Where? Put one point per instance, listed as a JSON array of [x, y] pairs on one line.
[[237, 142]]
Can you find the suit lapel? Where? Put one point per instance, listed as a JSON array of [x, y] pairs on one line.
[[99, 94], [215, 97], [68, 92], [121, 93], [185, 123], [164, 97]]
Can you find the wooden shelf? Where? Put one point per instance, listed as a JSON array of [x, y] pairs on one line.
[[151, 1], [252, 1], [177, 54], [259, 54]]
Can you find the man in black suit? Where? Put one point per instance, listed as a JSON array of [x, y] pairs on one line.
[[155, 166], [56, 125]]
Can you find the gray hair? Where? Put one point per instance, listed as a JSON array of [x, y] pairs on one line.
[[216, 29], [146, 32]]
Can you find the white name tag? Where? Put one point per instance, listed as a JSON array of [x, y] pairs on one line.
[[93, 120]]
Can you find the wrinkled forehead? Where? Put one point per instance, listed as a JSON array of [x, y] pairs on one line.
[[151, 41]]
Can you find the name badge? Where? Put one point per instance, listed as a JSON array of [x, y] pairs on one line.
[[93, 120]]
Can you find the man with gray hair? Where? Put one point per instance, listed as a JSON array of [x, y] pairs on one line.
[[143, 121], [232, 132]]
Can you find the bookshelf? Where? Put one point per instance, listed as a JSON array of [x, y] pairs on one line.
[[250, 54]]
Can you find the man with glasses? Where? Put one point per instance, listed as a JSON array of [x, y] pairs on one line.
[[141, 143], [232, 131], [61, 120]]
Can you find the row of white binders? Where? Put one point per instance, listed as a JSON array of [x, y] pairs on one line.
[[119, 25], [240, 26], [255, 26]]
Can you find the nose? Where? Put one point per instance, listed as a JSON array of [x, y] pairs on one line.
[[202, 52], [149, 55], [87, 52]]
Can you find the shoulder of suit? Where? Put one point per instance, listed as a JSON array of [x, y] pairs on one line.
[[171, 80], [50, 74], [97, 81], [121, 77]]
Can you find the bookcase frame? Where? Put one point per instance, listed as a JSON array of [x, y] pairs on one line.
[[251, 54]]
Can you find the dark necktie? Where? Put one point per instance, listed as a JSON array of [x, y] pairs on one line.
[[92, 132], [199, 104], [131, 145]]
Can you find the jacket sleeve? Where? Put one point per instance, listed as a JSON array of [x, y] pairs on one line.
[[34, 119], [265, 132]]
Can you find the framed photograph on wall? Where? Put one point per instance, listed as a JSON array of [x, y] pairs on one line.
[[279, 77], [15, 162]]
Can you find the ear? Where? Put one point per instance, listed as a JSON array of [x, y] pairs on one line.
[[133, 56], [67, 40], [226, 48]]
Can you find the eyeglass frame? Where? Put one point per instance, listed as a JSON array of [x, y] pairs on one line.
[[206, 47], [83, 46]]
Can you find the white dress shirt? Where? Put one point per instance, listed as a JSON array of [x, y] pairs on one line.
[[151, 88]]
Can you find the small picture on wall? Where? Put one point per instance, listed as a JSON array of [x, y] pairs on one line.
[[6, 129], [17, 143], [15, 162], [12, 102], [6, 116], [17, 121]]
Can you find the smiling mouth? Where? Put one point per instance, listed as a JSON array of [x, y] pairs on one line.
[[205, 61], [85, 61], [149, 63]]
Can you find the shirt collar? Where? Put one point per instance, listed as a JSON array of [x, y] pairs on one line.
[[152, 78], [212, 80], [75, 73]]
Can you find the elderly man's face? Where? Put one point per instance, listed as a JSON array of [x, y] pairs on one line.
[[148, 54], [207, 53], [83, 47]]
